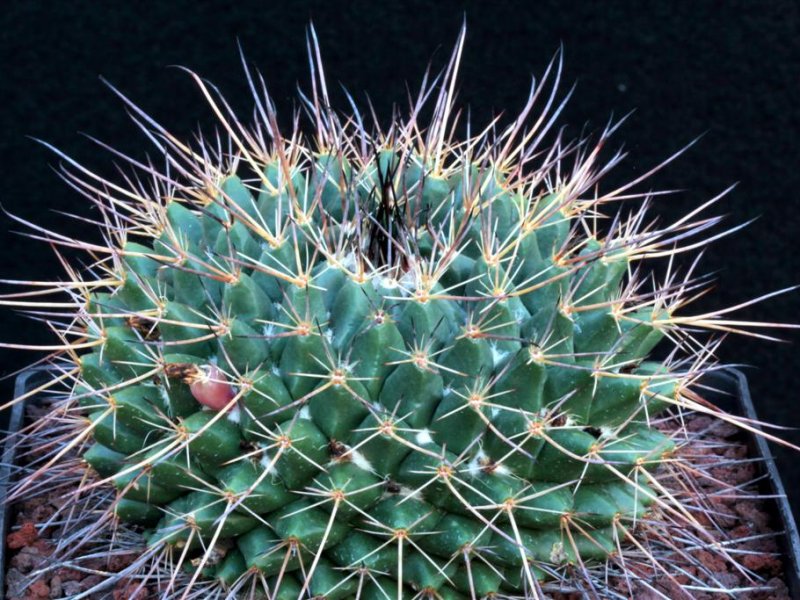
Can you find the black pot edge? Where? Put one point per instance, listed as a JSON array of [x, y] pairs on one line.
[[731, 394], [10, 423], [773, 486]]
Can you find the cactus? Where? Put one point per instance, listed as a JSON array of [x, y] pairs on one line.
[[374, 364]]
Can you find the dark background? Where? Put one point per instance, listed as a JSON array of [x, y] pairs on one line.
[[728, 70]]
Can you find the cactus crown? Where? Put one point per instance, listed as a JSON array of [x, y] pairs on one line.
[[378, 363]]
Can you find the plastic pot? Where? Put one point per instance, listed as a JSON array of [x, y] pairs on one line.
[[726, 388]]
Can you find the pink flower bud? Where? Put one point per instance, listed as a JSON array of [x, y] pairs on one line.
[[212, 389]]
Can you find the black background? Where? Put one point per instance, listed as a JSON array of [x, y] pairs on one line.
[[728, 70]]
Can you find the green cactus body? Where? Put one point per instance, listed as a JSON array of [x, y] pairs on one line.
[[378, 420], [378, 366]]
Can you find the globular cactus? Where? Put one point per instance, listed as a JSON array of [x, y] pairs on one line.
[[377, 364]]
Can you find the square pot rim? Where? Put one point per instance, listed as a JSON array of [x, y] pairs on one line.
[[727, 386]]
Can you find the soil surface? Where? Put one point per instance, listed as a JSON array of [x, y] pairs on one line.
[[32, 540], [738, 516]]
